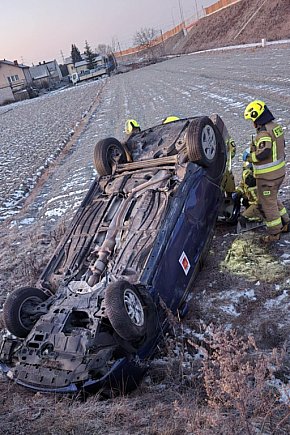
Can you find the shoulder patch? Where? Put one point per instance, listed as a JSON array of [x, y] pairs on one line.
[[278, 131]]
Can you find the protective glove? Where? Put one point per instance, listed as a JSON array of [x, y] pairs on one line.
[[231, 147], [247, 155]]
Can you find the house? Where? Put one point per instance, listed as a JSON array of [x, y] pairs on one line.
[[15, 78], [46, 75], [82, 66]]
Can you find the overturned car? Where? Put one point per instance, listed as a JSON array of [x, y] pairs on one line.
[[131, 253]]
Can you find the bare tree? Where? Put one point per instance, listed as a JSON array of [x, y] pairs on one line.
[[145, 37], [114, 44], [104, 49]]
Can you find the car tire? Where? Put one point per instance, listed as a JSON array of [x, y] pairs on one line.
[[16, 310], [107, 152], [131, 311], [202, 141], [206, 146]]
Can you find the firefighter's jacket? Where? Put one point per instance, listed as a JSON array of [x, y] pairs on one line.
[[268, 152], [247, 187]]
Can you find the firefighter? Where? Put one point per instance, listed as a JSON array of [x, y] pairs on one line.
[[247, 192], [268, 159], [170, 119], [228, 182], [132, 127]]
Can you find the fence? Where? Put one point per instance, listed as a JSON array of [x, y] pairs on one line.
[[186, 25], [219, 5], [160, 39]]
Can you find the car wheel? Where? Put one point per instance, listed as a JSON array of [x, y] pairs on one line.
[[201, 141], [107, 152], [205, 146], [131, 311], [19, 310]]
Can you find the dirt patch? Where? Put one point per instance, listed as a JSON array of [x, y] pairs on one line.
[[242, 23]]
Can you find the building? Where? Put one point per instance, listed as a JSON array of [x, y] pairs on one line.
[[15, 79], [82, 66], [46, 75]]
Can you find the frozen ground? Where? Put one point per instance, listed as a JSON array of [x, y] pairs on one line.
[[242, 285], [33, 132]]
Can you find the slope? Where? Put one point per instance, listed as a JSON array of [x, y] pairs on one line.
[[244, 22]]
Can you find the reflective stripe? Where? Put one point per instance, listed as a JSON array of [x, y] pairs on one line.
[[283, 211], [274, 223], [276, 163], [254, 158], [269, 165], [254, 219], [274, 151], [263, 139], [267, 193], [264, 169]]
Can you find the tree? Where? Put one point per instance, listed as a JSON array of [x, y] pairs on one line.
[[114, 44], [75, 54], [64, 70], [104, 49], [145, 37], [89, 55]]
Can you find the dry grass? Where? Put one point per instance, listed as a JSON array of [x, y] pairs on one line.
[[212, 383]]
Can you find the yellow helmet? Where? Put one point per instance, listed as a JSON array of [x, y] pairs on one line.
[[130, 124], [170, 119], [254, 110]]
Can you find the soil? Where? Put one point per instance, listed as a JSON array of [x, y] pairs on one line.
[[245, 22]]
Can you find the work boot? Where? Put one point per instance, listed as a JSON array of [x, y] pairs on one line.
[[270, 238], [286, 228]]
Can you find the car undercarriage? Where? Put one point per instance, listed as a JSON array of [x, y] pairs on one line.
[[136, 243]]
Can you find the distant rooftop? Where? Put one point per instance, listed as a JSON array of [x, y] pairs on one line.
[[14, 63]]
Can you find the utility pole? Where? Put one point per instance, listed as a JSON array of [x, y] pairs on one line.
[[120, 49], [62, 56], [182, 18], [196, 10], [162, 39]]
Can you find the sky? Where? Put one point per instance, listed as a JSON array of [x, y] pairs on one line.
[[33, 31]]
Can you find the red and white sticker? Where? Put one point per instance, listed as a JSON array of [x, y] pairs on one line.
[[185, 264]]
